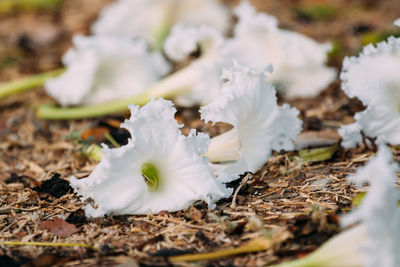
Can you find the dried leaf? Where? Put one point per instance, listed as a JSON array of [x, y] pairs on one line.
[[59, 227], [315, 139], [97, 133]]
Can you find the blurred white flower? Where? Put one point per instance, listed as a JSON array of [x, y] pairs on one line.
[[379, 211], [374, 78], [249, 104], [101, 69], [397, 22], [152, 19], [202, 77], [298, 61], [159, 168]]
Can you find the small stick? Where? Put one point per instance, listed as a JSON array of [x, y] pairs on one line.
[[242, 183]]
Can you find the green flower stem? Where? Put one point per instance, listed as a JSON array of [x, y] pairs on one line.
[[52, 112], [7, 6], [23, 84], [93, 151], [173, 85]]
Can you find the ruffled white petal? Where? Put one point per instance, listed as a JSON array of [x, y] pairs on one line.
[[380, 122], [101, 69], [150, 19], [116, 185], [351, 135], [374, 78], [379, 211], [260, 125], [299, 62]]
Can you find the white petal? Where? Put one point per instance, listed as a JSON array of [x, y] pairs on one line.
[[374, 75], [101, 69], [211, 13], [380, 122], [206, 70], [117, 186], [133, 18], [149, 18], [351, 135], [397, 22], [185, 39], [250, 105], [379, 211], [298, 61], [374, 78]]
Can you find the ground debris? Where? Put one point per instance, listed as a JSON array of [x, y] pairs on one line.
[[55, 186]]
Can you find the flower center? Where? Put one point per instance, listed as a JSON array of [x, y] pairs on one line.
[[151, 176]]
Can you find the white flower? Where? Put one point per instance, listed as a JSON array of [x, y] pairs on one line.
[[152, 19], [176, 173], [249, 103], [379, 211], [375, 241], [101, 69], [397, 22], [202, 78], [374, 78], [298, 61]]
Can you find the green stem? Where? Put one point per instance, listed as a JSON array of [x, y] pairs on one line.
[[170, 86], [7, 6], [52, 112], [23, 84]]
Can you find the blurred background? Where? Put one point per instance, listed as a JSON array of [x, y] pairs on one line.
[[35, 33]]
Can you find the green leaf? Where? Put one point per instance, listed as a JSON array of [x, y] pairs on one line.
[[318, 154]]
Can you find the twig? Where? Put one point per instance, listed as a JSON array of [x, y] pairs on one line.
[[242, 183], [17, 243]]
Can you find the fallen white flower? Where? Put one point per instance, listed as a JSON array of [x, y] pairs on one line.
[[375, 241], [298, 61], [159, 168], [249, 104], [379, 211], [342, 250], [101, 69], [374, 78], [257, 42], [152, 19]]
